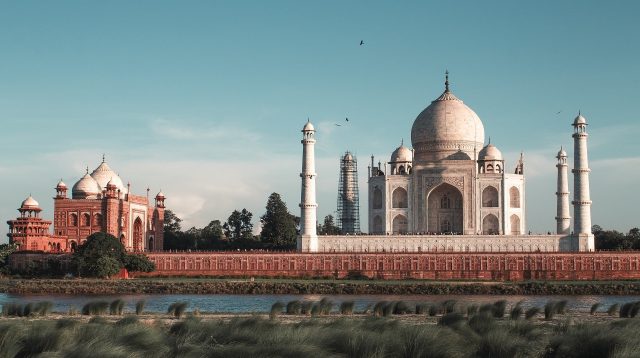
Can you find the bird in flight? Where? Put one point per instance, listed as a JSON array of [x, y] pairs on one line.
[[559, 112], [338, 125], [347, 119], [361, 42]]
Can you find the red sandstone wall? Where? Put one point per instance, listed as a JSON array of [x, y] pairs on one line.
[[435, 266]]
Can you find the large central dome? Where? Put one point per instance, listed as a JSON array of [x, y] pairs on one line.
[[446, 127]]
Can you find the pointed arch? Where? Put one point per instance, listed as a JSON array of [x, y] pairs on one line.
[[377, 225], [444, 209], [514, 197], [377, 198], [400, 224], [137, 235], [150, 246], [490, 197], [490, 225], [515, 224], [86, 219], [399, 198], [73, 219]]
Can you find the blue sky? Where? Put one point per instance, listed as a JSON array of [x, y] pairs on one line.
[[206, 99]]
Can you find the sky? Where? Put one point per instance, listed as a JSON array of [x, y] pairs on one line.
[[206, 99]]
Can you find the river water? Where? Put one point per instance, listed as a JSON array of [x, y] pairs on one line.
[[158, 303]]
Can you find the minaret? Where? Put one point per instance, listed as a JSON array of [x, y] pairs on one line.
[[581, 198], [308, 239], [563, 216]]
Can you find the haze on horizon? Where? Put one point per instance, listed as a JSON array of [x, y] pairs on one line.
[[205, 100]]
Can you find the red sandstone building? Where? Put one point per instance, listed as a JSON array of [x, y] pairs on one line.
[[99, 203]]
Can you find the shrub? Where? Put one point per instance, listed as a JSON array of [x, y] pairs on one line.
[[531, 312], [449, 306], [378, 309], [140, 307], [433, 310], [451, 319], [549, 310], [325, 306], [634, 310], [594, 308], [471, 310], [402, 307], [613, 309], [346, 307], [276, 309], [516, 312], [499, 308], [116, 307], [305, 307], [177, 309], [293, 307], [95, 308], [388, 309], [422, 308]]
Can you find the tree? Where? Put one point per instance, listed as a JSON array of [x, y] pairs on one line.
[[5, 251], [139, 263], [98, 245], [171, 222], [102, 255], [278, 225], [329, 227], [238, 226], [211, 234]]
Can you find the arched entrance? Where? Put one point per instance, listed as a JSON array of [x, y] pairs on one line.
[[515, 225], [400, 224], [150, 246], [137, 235], [444, 209], [377, 225], [490, 225]]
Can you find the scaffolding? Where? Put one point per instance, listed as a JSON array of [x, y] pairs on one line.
[[348, 196]]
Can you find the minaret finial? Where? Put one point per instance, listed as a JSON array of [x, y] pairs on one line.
[[103, 157], [401, 142], [446, 80], [87, 170], [489, 140]]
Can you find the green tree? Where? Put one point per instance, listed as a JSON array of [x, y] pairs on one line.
[[102, 255], [106, 266], [238, 226], [328, 227], [138, 263], [211, 234], [278, 225], [171, 222], [5, 251]]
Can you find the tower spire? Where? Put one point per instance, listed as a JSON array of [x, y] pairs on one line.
[[446, 80]]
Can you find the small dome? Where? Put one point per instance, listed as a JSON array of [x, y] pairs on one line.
[[30, 203], [160, 195], [348, 157], [490, 152], [104, 174], [111, 184], [61, 185], [308, 127], [402, 154], [562, 153], [86, 188], [579, 120]]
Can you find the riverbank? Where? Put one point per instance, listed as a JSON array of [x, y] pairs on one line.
[[320, 287]]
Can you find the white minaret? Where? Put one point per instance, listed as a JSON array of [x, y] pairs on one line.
[[581, 198], [563, 216], [308, 239]]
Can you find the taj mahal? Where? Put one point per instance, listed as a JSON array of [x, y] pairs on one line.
[[452, 192]]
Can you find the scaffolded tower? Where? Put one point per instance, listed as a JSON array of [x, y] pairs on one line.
[[348, 196]]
